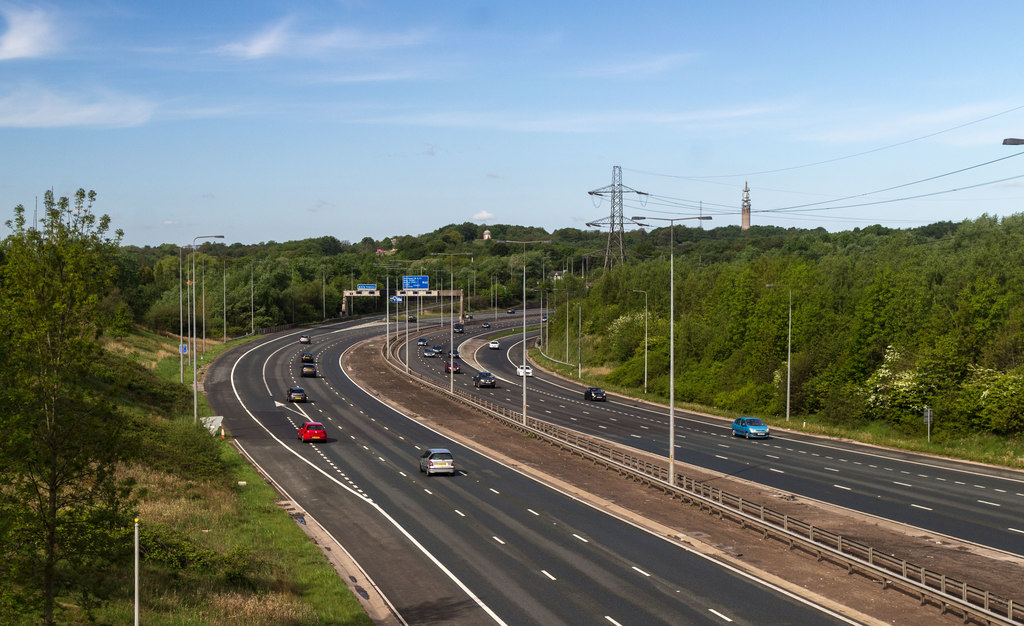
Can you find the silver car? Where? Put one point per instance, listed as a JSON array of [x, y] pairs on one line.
[[437, 461]]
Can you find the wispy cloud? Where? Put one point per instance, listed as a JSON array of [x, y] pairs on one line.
[[568, 122], [282, 39], [29, 33], [650, 66], [38, 108], [952, 124], [481, 216]]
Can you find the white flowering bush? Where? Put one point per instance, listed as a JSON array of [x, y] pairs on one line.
[[895, 394]]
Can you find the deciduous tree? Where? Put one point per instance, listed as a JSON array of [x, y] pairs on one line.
[[61, 505]]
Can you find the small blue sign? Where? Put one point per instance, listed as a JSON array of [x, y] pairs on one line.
[[415, 283], [184, 348], [396, 298], [370, 287]]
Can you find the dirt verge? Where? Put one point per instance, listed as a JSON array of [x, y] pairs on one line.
[[857, 596]]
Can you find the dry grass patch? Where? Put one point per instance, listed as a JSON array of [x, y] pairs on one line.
[[183, 505], [265, 608]]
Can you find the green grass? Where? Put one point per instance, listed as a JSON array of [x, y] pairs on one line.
[[217, 551]]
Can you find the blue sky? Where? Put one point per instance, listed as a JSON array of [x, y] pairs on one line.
[[280, 121]]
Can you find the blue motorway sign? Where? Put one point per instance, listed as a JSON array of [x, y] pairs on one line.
[[416, 283], [396, 298], [370, 287]]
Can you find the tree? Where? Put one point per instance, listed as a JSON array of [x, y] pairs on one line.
[[61, 505]]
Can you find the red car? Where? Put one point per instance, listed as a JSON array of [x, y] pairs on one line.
[[312, 431], [451, 366]]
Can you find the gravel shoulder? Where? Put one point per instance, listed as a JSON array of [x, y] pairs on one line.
[[856, 596]]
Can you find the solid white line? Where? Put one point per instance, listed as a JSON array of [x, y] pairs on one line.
[[419, 546], [720, 615], [641, 571], [545, 572]]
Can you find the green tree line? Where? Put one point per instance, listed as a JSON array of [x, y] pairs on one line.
[[884, 321]]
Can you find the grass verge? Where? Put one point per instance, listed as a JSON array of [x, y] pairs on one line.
[[216, 547]]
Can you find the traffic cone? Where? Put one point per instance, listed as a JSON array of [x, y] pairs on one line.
[[222, 432]]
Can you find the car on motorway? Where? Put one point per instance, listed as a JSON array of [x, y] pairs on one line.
[[511, 311], [595, 393], [437, 461], [454, 354], [544, 319], [422, 341], [305, 339], [484, 379], [524, 370], [307, 357], [429, 353], [469, 316], [439, 349], [312, 431], [458, 328], [297, 394], [485, 325], [308, 370], [749, 427], [494, 345], [411, 318], [452, 366]]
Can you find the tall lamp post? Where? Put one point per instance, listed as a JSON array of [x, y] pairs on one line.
[[524, 314], [451, 319], [671, 336], [195, 387], [645, 334], [789, 340]]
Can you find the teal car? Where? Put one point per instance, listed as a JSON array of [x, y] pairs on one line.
[[749, 427]]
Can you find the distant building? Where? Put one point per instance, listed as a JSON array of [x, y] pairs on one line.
[[745, 211], [487, 235]]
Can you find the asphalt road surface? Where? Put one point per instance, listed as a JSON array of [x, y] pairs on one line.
[[972, 502], [487, 545]]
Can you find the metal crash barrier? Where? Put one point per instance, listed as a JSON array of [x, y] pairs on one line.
[[949, 594]]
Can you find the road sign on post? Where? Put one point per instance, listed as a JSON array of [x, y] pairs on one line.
[[416, 283], [928, 421], [396, 298], [369, 287]]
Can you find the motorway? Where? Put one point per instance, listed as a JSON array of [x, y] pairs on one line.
[[488, 545], [972, 502]]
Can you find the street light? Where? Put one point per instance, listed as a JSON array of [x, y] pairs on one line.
[[645, 334], [451, 320], [671, 336], [195, 387], [789, 340], [524, 314]]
